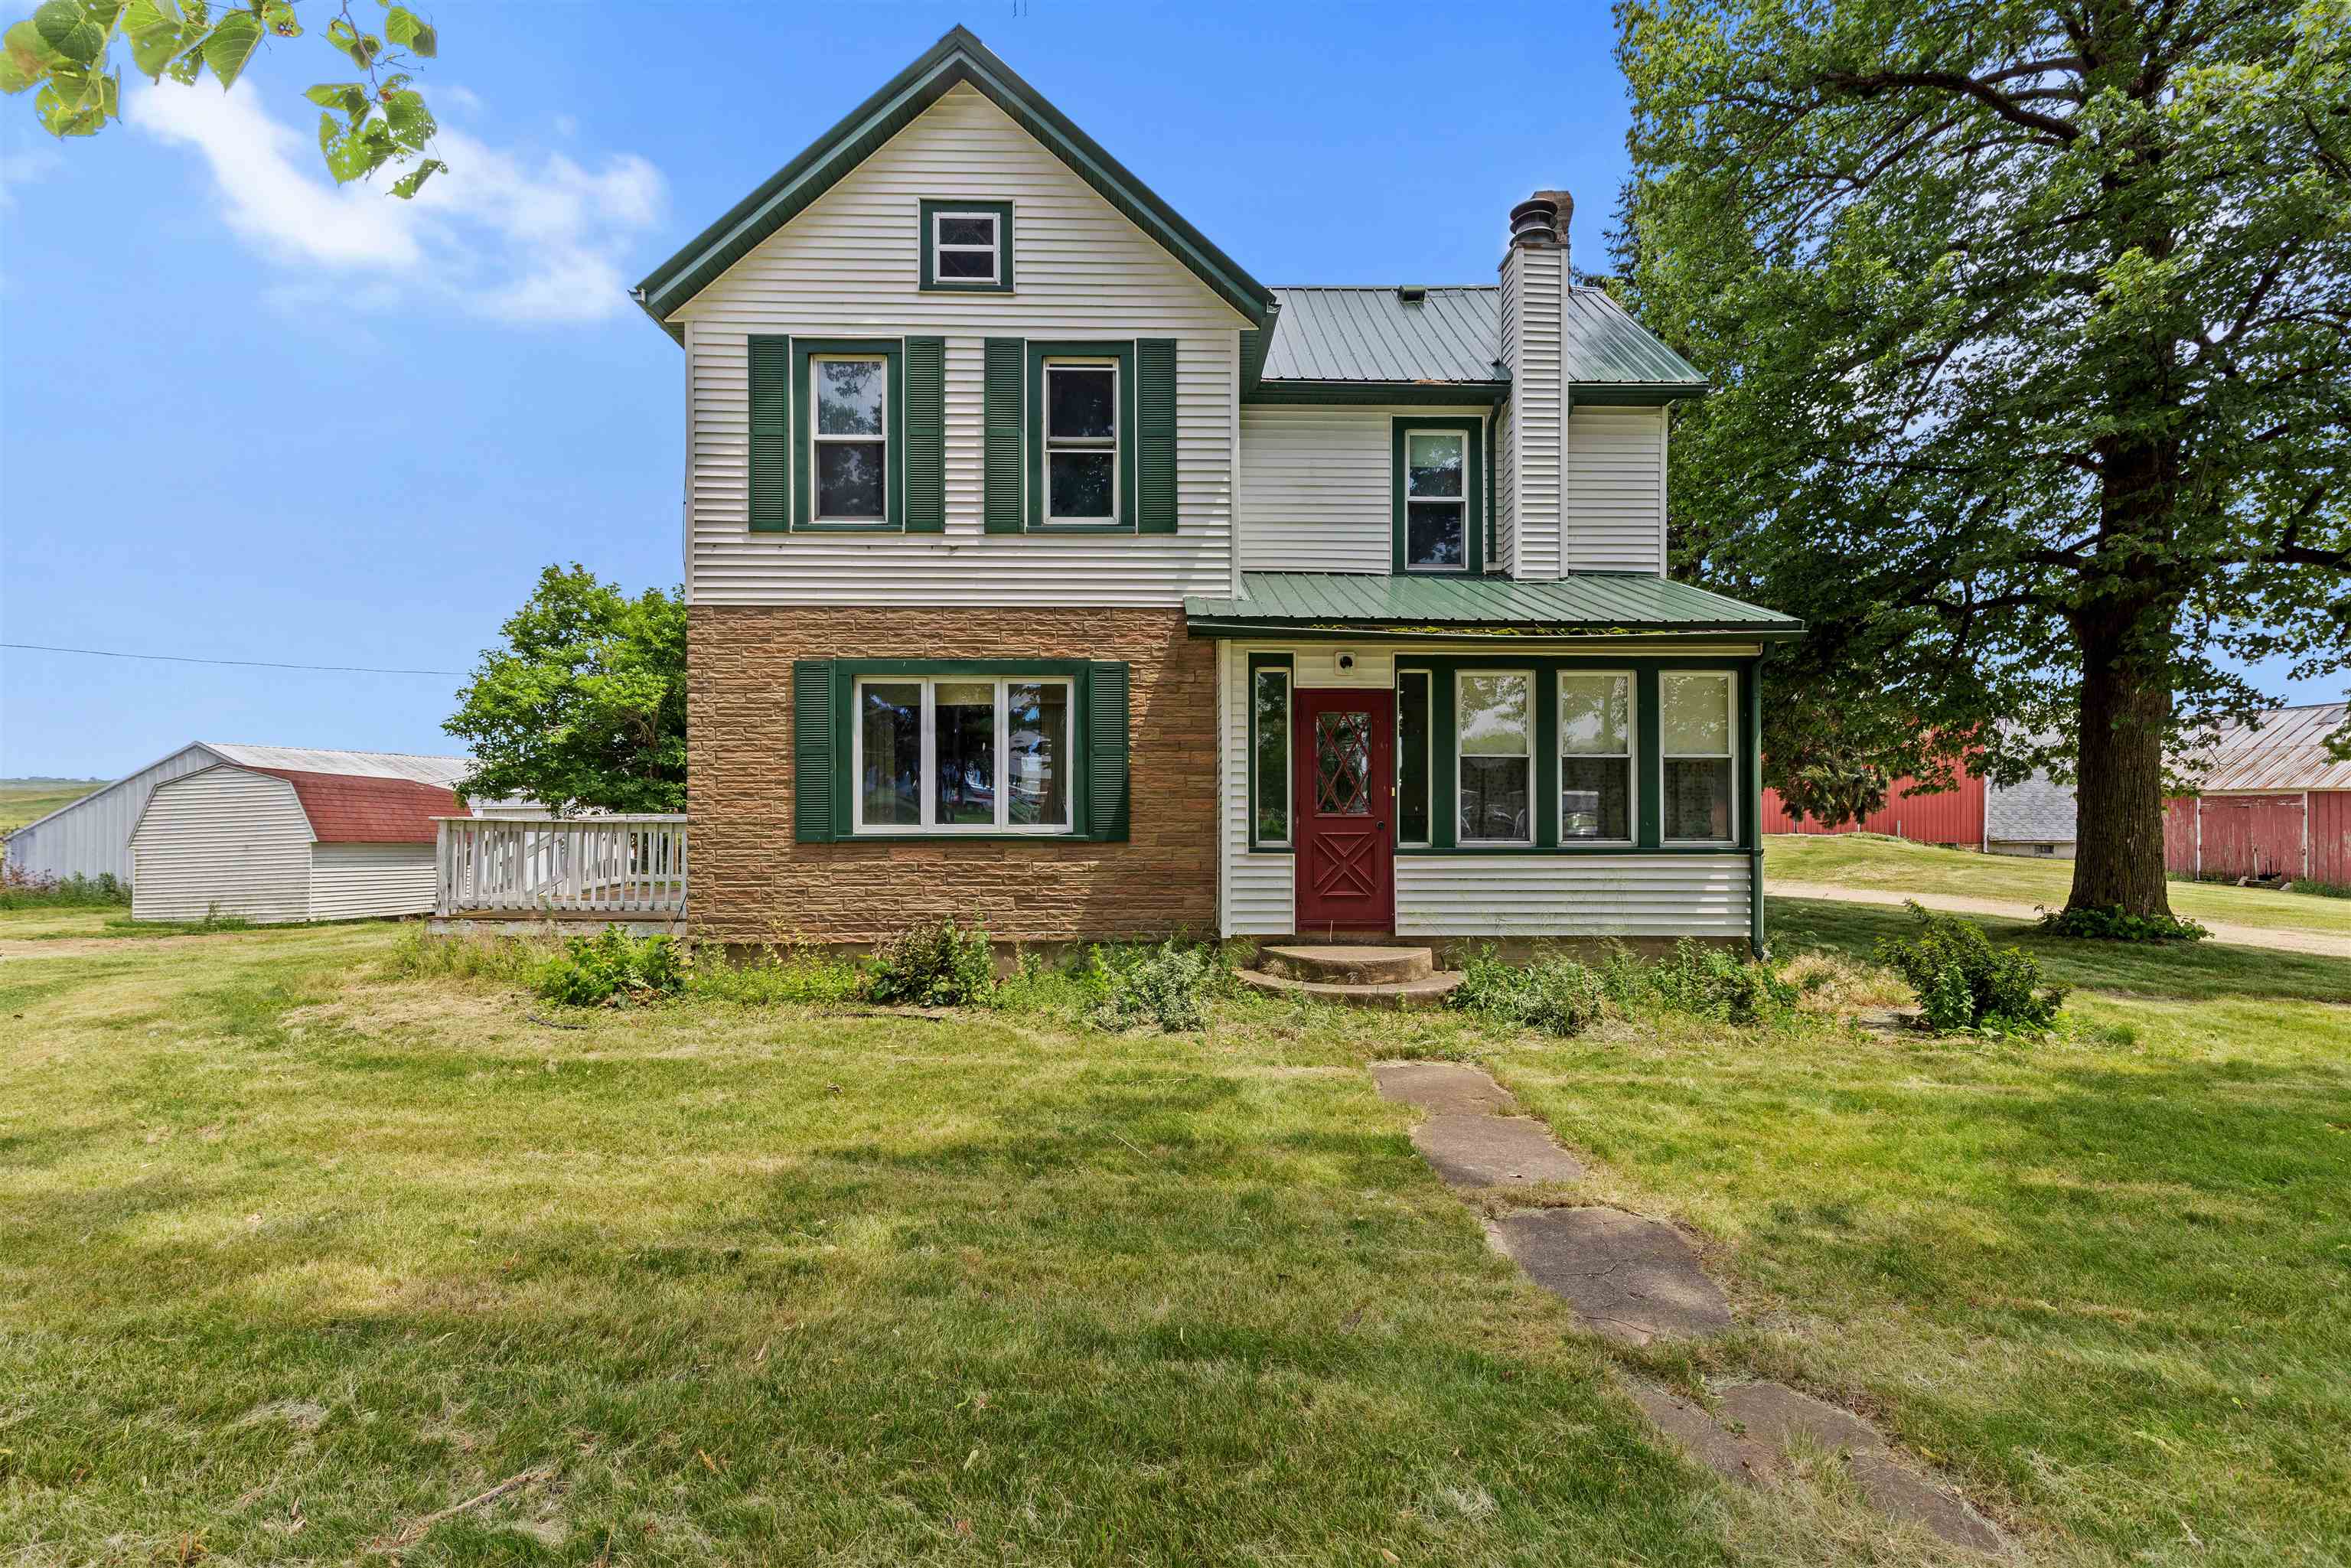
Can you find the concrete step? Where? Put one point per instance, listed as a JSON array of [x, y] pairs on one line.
[[1347, 963], [1428, 991]]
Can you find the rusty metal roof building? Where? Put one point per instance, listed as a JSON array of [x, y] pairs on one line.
[[2284, 750]]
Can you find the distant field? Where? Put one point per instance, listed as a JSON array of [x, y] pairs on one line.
[[25, 799]]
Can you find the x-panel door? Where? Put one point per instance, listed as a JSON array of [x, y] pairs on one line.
[[1343, 781]]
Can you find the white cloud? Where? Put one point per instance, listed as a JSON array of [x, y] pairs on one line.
[[22, 168], [498, 235]]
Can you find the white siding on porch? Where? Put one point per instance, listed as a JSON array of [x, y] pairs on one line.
[[1258, 900], [222, 839], [1566, 895], [847, 267], [1616, 489], [351, 881]]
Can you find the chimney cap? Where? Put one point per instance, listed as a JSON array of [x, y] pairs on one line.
[[1535, 222]]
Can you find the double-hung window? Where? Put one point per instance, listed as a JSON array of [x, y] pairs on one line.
[[1495, 719], [849, 438], [1595, 758], [949, 755], [1081, 477], [1437, 500], [1694, 738]]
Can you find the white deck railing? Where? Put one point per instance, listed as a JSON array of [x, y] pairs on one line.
[[632, 866]]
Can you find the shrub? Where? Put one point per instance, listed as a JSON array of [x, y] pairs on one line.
[[18, 891], [938, 963], [1711, 983], [1169, 986], [1962, 983], [611, 968], [2114, 926], [786, 976], [1555, 995]]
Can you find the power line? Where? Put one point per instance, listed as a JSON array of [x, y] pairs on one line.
[[247, 663]]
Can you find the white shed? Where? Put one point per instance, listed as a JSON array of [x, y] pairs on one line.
[[275, 844], [91, 837]]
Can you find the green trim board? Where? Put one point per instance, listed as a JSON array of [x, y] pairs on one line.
[[1649, 777], [1120, 350], [1288, 667], [928, 209], [1473, 488], [1316, 604], [958, 58], [824, 766], [893, 504]]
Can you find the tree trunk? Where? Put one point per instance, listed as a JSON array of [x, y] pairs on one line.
[[2119, 793]]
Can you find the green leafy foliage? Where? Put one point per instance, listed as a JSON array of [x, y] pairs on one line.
[[1555, 995], [585, 703], [1708, 982], [1168, 986], [935, 964], [2032, 390], [76, 892], [809, 978], [2111, 924], [1963, 983], [612, 968], [63, 48]]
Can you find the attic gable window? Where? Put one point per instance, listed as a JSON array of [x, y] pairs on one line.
[[967, 246]]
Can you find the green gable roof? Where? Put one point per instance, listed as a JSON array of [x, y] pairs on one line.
[[958, 58], [1581, 604]]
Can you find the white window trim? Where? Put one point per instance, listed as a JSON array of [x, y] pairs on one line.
[[817, 436], [1729, 679], [1630, 755], [1459, 756], [995, 249], [1429, 763], [1461, 500], [1079, 443], [1289, 783], [926, 786]]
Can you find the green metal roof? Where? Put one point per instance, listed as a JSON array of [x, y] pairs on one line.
[[1581, 604], [1326, 344], [958, 58]]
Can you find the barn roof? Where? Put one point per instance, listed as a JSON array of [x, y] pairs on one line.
[[355, 809], [2282, 750], [446, 772]]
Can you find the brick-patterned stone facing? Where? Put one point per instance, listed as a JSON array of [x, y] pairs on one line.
[[752, 883]]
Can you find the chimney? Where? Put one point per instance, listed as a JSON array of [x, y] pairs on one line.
[[1527, 541]]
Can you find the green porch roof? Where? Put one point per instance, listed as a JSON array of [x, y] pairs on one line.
[[1580, 604]]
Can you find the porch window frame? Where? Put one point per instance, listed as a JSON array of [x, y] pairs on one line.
[[1534, 749], [929, 212], [1631, 755], [1428, 756], [1734, 742], [1285, 665]]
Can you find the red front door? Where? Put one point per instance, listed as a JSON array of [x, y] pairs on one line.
[[1344, 787]]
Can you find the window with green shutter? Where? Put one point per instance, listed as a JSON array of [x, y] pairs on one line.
[[1098, 422], [970, 749], [849, 435]]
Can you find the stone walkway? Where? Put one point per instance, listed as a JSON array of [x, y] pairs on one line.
[[1638, 1280], [2226, 931]]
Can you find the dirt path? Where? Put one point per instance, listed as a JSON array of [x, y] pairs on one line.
[[2315, 942]]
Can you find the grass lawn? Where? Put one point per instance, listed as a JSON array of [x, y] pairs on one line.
[[300, 1253], [23, 801], [1894, 866]]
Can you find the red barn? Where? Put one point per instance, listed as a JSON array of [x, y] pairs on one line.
[[2273, 803]]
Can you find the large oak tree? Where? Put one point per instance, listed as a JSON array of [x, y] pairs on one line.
[[2032, 329]]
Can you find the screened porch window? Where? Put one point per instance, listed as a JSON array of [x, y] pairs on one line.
[[1270, 754], [1595, 758], [1414, 745], [947, 756], [1695, 734], [850, 437], [1495, 720]]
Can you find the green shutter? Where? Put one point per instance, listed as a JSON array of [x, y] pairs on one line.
[[1000, 422], [926, 435], [771, 434], [1155, 373], [812, 748], [1106, 782]]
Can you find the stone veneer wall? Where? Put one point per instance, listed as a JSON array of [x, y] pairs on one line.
[[751, 882]]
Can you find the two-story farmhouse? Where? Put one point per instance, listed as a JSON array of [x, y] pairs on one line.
[[1045, 567]]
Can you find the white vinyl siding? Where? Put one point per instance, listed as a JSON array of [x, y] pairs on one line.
[[1532, 282], [349, 882], [1317, 486], [223, 839], [92, 836], [1568, 895], [1258, 890], [848, 266], [1616, 489], [1506, 494]]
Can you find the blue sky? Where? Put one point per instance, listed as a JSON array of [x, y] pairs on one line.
[[244, 416]]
